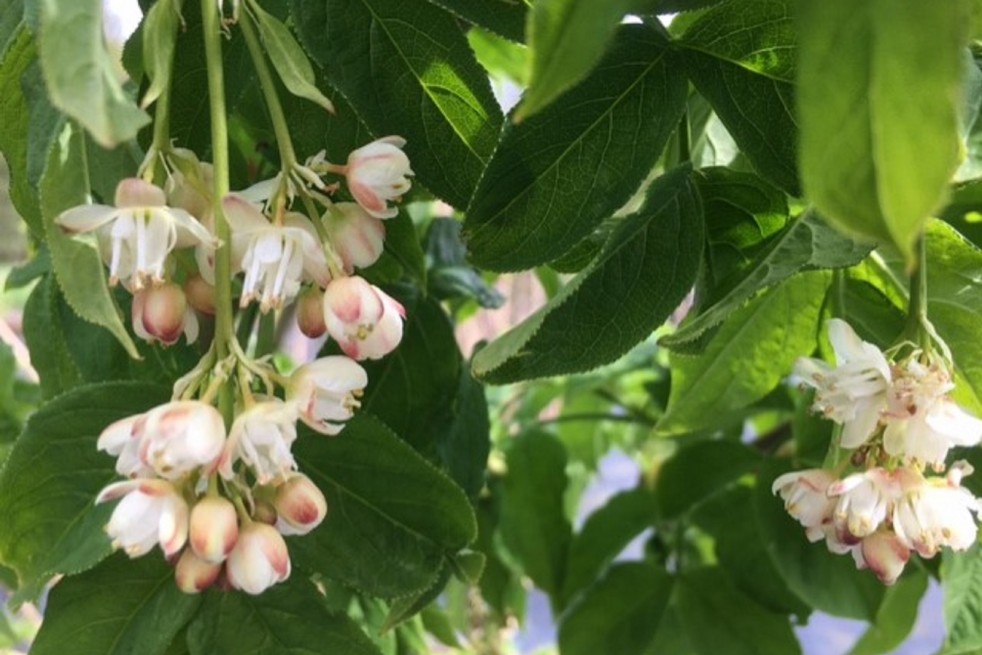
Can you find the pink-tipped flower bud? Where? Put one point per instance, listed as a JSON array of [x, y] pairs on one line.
[[357, 237], [884, 555], [259, 560], [300, 504], [160, 313], [214, 528], [200, 295], [363, 319], [377, 173], [310, 313], [193, 574]]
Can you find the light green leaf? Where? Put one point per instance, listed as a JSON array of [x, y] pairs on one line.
[[406, 68], [879, 102], [643, 272], [555, 177], [11, 19], [77, 265], [82, 80], [159, 34], [896, 616], [46, 341], [504, 59], [719, 619], [289, 59], [566, 39], [503, 17], [533, 526], [121, 607], [382, 497], [751, 353], [699, 471], [961, 574], [53, 475], [287, 619], [619, 614]]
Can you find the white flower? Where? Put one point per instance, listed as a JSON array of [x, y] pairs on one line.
[[326, 392], [262, 437], [864, 502], [854, 393], [377, 173], [275, 258], [151, 512], [161, 313], [922, 422], [806, 499], [937, 512], [357, 237], [182, 436], [363, 319], [122, 439], [137, 234], [259, 560], [300, 505], [882, 553]]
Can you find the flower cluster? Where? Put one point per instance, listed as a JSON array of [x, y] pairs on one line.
[[900, 420]]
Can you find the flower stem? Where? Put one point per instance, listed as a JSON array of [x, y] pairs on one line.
[[224, 330], [917, 329]]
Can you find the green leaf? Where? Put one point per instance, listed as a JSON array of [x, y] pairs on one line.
[[961, 574], [287, 619], [698, 472], [642, 274], [673, 6], [405, 608], [406, 68], [554, 178], [159, 37], [504, 60], [81, 76], [880, 97], [402, 245], [503, 17], [826, 581], [566, 40], [51, 478], [50, 356], [619, 614], [465, 446], [122, 606], [896, 617], [604, 535], [11, 19], [382, 498], [758, 35], [533, 526], [807, 243], [719, 619], [450, 276], [413, 389], [289, 59], [751, 353]]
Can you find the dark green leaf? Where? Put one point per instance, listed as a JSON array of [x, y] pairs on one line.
[[758, 111], [383, 498], [604, 535], [896, 616], [555, 177], [51, 478], [407, 69], [533, 525], [719, 619], [698, 472], [402, 244], [80, 72], [46, 341], [619, 614], [566, 39], [501, 587], [288, 619], [751, 353], [673, 6], [450, 276], [464, 447], [11, 18], [644, 271], [503, 17], [405, 608], [121, 607], [880, 88], [962, 577]]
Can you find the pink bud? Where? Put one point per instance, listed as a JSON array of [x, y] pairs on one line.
[[357, 236], [193, 574], [310, 313], [884, 555], [160, 313], [364, 320], [259, 559], [377, 173], [214, 528], [300, 504], [200, 295]]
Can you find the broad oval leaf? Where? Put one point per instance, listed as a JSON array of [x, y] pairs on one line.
[[880, 94], [121, 607], [962, 577], [642, 274], [52, 477], [406, 68], [383, 498], [699, 471], [503, 17], [81, 77], [555, 177]]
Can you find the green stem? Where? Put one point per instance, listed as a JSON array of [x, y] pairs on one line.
[[224, 330], [837, 294], [161, 123], [917, 321]]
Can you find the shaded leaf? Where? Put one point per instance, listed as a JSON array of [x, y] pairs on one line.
[[962, 577], [159, 36], [465, 446], [700, 471], [896, 616], [503, 17], [20, 56]]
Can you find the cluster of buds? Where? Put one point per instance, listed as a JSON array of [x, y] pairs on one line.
[[900, 422], [218, 504]]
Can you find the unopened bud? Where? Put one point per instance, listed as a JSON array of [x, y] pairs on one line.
[[310, 313], [160, 313], [259, 560], [300, 504], [214, 528], [356, 236], [200, 295], [193, 574]]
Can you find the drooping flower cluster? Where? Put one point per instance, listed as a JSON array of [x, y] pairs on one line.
[[901, 422]]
